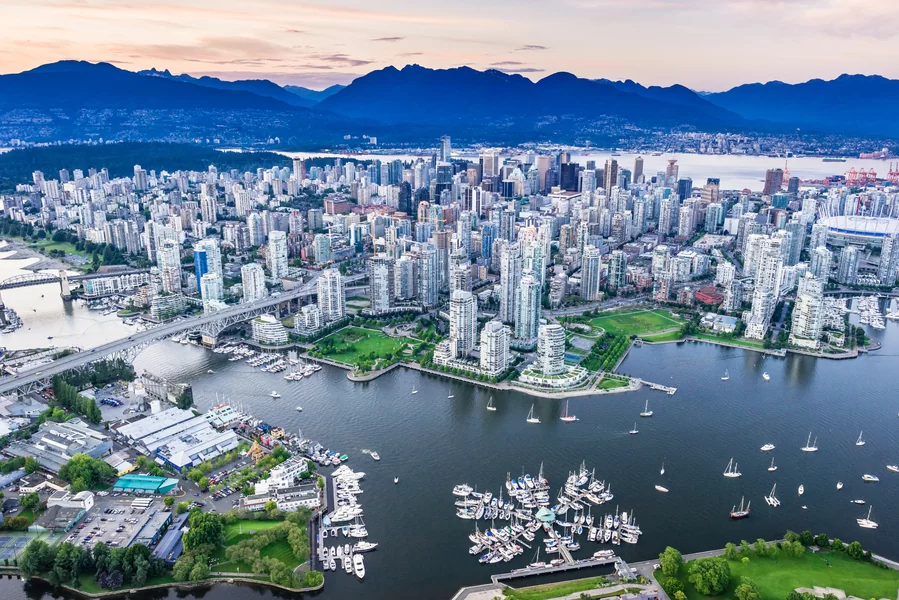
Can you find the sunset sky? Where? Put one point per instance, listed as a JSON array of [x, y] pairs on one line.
[[704, 44]]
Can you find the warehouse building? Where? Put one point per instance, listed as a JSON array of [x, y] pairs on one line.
[[144, 484], [55, 443]]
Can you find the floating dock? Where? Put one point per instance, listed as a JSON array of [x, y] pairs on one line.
[[549, 570]]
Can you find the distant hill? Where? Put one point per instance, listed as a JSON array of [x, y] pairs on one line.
[[464, 94], [851, 104], [675, 94], [78, 84], [260, 87], [313, 95]]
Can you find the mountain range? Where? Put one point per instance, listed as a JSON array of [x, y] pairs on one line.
[[74, 98]]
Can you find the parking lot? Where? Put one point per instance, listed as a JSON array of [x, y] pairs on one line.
[[112, 520]]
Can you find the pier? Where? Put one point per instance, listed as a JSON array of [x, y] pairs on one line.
[[550, 570], [657, 386]]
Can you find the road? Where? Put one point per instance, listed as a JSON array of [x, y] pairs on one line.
[[43, 373]]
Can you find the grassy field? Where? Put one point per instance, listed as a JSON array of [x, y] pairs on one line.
[[48, 245], [777, 577], [636, 322], [671, 336], [558, 590], [244, 527], [611, 383], [352, 342], [736, 341], [89, 585]]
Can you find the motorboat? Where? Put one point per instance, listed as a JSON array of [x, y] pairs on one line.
[[839, 485], [767, 448], [765, 376], [531, 418], [396, 480], [275, 394], [462, 490], [299, 408], [376, 456], [210, 371], [646, 412], [363, 546], [867, 523], [893, 468], [664, 490], [870, 478], [740, 513], [858, 501], [801, 489], [731, 470], [810, 446], [359, 566]]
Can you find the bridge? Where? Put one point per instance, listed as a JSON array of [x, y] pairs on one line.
[[62, 278], [208, 325]]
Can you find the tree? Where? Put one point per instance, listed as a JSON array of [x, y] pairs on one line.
[[710, 576], [85, 472], [182, 508], [806, 538], [673, 585], [205, 528], [37, 557], [730, 551], [744, 547], [200, 570], [670, 561], [855, 550], [30, 501], [822, 540], [680, 595], [794, 595], [169, 501], [31, 464], [761, 548], [837, 545], [747, 590]]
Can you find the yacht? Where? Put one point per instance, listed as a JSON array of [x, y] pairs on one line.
[[275, 394], [767, 448], [490, 404], [731, 470], [376, 456], [396, 480], [771, 499], [568, 418], [462, 490], [810, 446], [801, 489], [634, 430], [726, 375], [531, 418], [772, 467], [359, 566], [299, 409], [858, 501], [871, 478], [210, 371], [765, 376], [740, 513], [860, 441], [867, 523], [893, 468], [839, 485], [664, 490], [646, 412], [364, 546]]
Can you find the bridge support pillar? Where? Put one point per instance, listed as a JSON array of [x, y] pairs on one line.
[[64, 290], [208, 341], [3, 313]]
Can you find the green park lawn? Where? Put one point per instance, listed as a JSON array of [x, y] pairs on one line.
[[636, 322], [48, 245], [671, 336], [736, 341], [90, 586], [777, 577], [612, 382], [558, 590], [244, 527], [351, 343]]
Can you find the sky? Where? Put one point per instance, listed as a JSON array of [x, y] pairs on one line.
[[707, 45]]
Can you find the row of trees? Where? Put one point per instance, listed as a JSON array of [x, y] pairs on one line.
[[606, 353], [68, 397], [101, 373], [29, 463], [111, 567]]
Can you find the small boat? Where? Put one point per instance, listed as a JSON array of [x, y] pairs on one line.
[[396, 480], [634, 430], [359, 566], [332, 564], [726, 376], [414, 391], [646, 412], [568, 418], [839, 485], [870, 478], [662, 472], [664, 490], [490, 404], [858, 501], [801, 489], [740, 513], [450, 397], [772, 467], [363, 546], [299, 409], [210, 371], [531, 418], [893, 468], [275, 394], [765, 376], [731, 470], [860, 441], [867, 523], [376, 456], [804, 507], [809, 445], [767, 448]]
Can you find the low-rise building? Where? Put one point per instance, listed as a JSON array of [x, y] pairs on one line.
[[55, 443], [268, 330]]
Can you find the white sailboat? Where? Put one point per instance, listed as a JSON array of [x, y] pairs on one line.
[[731, 470], [771, 499], [867, 523], [809, 445], [531, 417], [662, 472], [772, 467], [860, 441], [726, 375], [765, 376], [634, 430], [646, 412], [568, 418], [414, 390], [490, 404]]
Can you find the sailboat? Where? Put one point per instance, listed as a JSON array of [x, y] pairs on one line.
[[809, 445], [490, 404], [726, 376], [451, 396], [860, 441], [634, 430], [742, 513], [568, 418], [867, 523], [414, 390], [662, 472], [646, 412], [772, 467], [731, 470], [537, 564], [765, 376], [531, 417], [771, 499]]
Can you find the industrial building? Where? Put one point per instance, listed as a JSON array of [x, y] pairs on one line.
[[55, 443], [145, 484], [178, 438]]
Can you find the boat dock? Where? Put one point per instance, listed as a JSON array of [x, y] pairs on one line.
[[549, 570], [658, 386]]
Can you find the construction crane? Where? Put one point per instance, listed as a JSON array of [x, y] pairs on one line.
[[894, 173]]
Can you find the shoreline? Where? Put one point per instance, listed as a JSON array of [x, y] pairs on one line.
[[180, 585], [21, 251]]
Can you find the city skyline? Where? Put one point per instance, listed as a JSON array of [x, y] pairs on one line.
[[316, 45]]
